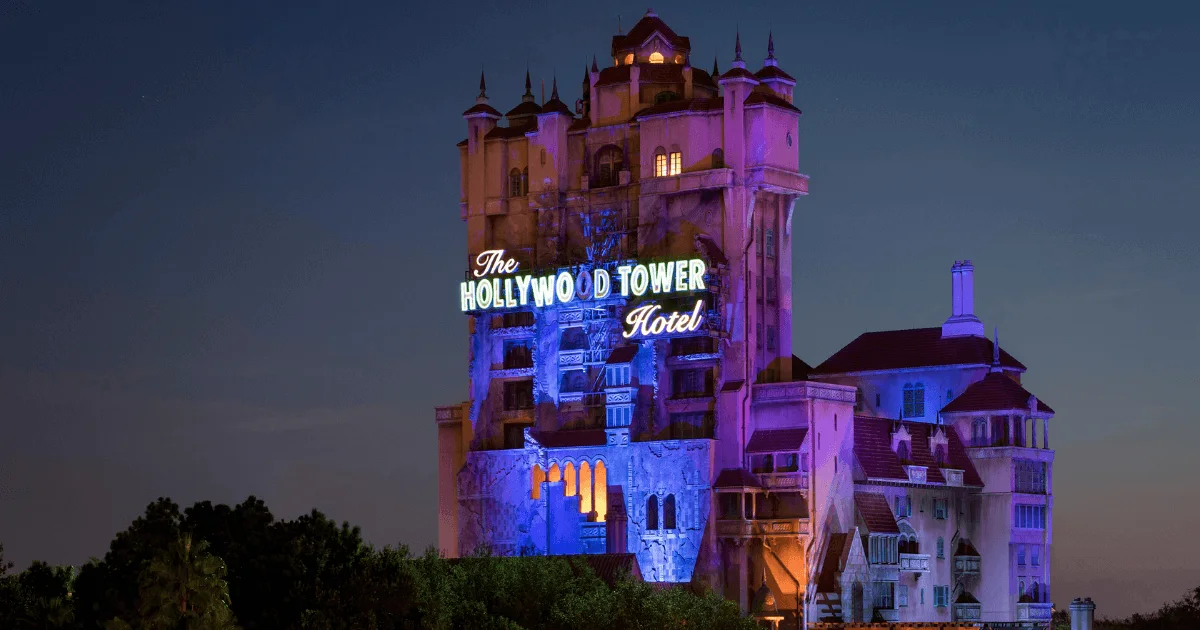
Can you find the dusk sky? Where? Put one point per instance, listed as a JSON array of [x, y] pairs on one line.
[[230, 242]]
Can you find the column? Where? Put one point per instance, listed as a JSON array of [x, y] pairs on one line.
[[1045, 432], [1012, 429], [743, 576]]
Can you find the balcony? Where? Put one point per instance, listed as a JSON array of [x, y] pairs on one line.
[[953, 477], [795, 480], [966, 566], [1034, 612], [917, 474], [914, 563], [594, 535], [739, 528], [968, 612]]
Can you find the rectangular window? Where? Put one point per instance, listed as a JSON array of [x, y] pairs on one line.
[[884, 594], [518, 395], [939, 509], [691, 383], [771, 290], [770, 243], [1021, 555], [1035, 553], [1029, 476], [514, 435], [770, 338], [914, 400], [1029, 516], [941, 596], [758, 333], [676, 163], [758, 240], [518, 354], [902, 595], [660, 165], [691, 426], [617, 376], [758, 288]]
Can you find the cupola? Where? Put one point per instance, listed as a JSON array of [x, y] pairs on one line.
[[902, 443], [650, 41]]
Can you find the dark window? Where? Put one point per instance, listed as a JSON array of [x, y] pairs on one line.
[[518, 354], [904, 453], [514, 435], [525, 181], [858, 399], [914, 400], [691, 426], [760, 464], [518, 395], [877, 401], [683, 346], [665, 96], [513, 320], [939, 456], [514, 183], [652, 513], [718, 158], [609, 162], [573, 338], [1029, 476], [770, 243], [669, 512], [770, 338], [573, 381], [692, 383]]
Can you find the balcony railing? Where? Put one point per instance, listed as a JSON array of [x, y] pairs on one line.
[[1034, 612], [795, 480], [740, 528], [967, 612], [449, 413], [966, 565], [914, 562]]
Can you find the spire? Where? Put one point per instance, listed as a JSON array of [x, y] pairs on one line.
[[737, 53], [482, 99], [554, 89], [594, 67], [586, 81], [995, 349], [770, 45], [527, 97], [716, 73]]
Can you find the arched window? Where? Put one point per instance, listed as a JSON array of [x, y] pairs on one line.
[[669, 512], [941, 547], [656, 57], [675, 161], [939, 456], [858, 399], [914, 400], [555, 475], [600, 494], [585, 488], [903, 451], [660, 162], [525, 181], [718, 158], [609, 162], [629, 59], [652, 513], [538, 477], [569, 480], [514, 183], [979, 432]]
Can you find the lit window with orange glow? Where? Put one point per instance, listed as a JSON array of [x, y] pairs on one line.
[[555, 475], [629, 59], [569, 479], [601, 493], [656, 57], [585, 488], [676, 163], [538, 477], [660, 162]]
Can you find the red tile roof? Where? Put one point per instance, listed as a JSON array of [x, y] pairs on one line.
[[996, 392], [577, 437], [765, 98], [701, 77], [579, 124], [774, 72], [771, 440], [682, 105], [917, 347], [965, 549], [873, 451], [527, 108], [557, 106], [736, 478], [740, 73], [614, 75], [827, 581], [509, 132], [482, 108], [874, 514], [647, 26]]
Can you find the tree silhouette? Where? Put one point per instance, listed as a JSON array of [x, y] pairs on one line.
[[184, 588]]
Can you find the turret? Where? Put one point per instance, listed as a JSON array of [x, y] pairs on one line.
[[526, 113], [772, 76], [736, 85]]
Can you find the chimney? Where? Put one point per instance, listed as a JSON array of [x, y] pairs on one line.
[[1083, 612], [962, 322]]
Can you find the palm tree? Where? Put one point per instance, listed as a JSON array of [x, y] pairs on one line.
[[184, 588]]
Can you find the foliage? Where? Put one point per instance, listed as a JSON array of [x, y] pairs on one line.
[[1183, 614], [204, 567]]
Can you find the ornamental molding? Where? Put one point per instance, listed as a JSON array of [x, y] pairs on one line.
[[513, 331], [513, 373]]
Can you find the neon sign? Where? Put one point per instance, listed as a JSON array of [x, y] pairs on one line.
[[490, 292]]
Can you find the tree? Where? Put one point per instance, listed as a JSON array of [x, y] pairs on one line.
[[184, 588]]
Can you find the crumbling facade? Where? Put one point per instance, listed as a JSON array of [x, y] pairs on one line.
[[632, 387]]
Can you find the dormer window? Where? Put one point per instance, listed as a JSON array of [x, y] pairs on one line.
[[656, 57], [914, 400], [904, 452], [629, 59], [939, 456]]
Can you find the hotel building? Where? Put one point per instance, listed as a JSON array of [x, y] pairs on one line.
[[632, 387]]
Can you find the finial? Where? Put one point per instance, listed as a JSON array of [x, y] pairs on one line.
[[528, 85], [554, 89], [716, 73], [737, 47], [620, 31], [770, 45], [996, 347], [595, 68], [651, 13], [482, 85]]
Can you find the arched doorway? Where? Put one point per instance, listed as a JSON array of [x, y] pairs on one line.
[[856, 602]]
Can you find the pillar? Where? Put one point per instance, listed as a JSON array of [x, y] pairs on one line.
[[1045, 432], [743, 575]]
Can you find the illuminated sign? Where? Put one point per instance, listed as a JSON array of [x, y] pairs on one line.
[[489, 292]]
